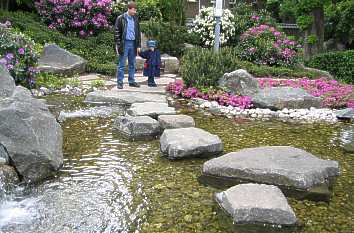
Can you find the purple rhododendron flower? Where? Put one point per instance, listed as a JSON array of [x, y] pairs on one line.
[[21, 51]]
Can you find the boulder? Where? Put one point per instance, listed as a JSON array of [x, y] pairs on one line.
[[175, 121], [31, 136], [7, 83], [123, 97], [171, 63], [60, 61], [8, 176], [251, 204], [139, 127], [277, 98], [150, 109], [297, 172], [239, 82], [4, 155], [189, 142], [345, 114]]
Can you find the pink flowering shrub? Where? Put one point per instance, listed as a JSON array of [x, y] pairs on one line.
[[177, 88], [265, 45], [18, 55], [333, 93], [84, 17]]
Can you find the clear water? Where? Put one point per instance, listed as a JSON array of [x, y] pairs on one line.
[[110, 184]]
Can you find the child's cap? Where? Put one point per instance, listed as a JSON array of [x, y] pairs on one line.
[[151, 43]]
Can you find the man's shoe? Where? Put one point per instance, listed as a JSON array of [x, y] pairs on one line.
[[120, 85], [134, 84], [152, 84]]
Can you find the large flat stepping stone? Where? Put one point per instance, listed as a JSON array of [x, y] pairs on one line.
[[176, 121], [123, 97], [60, 61], [297, 172], [137, 127], [250, 205], [101, 111], [189, 142], [150, 109], [143, 89], [345, 114]]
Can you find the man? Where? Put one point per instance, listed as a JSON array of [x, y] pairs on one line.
[[127, 44]]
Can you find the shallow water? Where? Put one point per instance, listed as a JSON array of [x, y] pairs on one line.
[[110, 184]]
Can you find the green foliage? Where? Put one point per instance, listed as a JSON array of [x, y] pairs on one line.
[[97, 50], [147, 10], [339, 22], [55, 82], [173, 11], [339, 64], [170, 37], [304, 21], [311, 39], [18, 54], [202, 68], [97, 83]]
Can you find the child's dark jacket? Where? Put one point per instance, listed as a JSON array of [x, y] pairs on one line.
[[152, 64]]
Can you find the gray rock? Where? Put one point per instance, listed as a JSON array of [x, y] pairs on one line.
[[171, 63], [8, 177], [239, 82], [139, 127], [345, 114], [101, 111], [176, 121], [60, 61], [256, 203], [189, 142], [31, 136], [4, 155], [126, 98], [150, 109], [283, 166], [277, 98], [7, 83]]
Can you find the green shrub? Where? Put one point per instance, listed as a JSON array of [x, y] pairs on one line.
[[202, 68], [170, 37], [339, 64], [55, 81], [97, 50], [18, 54], [97, 83]]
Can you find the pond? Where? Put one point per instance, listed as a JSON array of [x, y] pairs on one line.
[[110, 184]]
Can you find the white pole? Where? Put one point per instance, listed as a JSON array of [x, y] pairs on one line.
[[217, 14]]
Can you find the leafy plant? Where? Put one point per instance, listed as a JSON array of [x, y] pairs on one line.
[[84, 17], [339, 64], [18, 55], [97, 83]]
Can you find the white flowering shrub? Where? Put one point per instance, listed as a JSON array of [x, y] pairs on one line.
[[204, 26]]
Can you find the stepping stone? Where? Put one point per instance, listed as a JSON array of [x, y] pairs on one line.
[[89, 77], [123, 97], [189, 142], [60, 61], [345, 114], [138, 127], [143, 89], [250, 205], [101, 111], [176, 121], [297, 172], [150, 109]]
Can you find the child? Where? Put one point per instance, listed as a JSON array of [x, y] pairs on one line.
[[153, 62]]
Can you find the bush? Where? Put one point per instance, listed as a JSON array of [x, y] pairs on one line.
[[170, 37], [84, 17], [147, 10], [97, 50], [339, 64], [246, 17], [204, 26], [18, 55], [173, 11], [265, 45], [202, 68]]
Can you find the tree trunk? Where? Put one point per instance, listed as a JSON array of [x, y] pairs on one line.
[[316, 30], [4, 5]]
